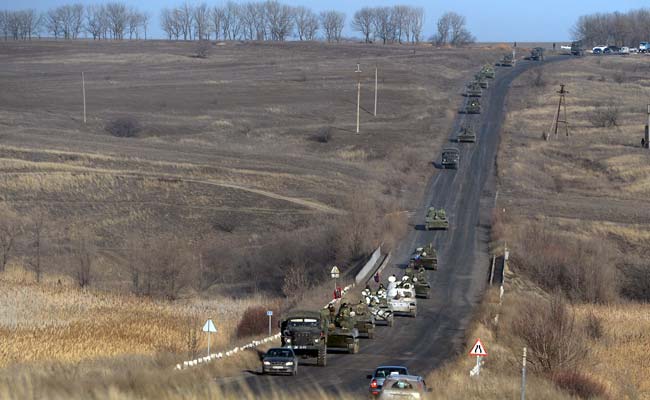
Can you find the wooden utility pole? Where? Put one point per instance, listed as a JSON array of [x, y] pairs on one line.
[[375, 91], [560, 114], [83, 90], [358, 72], [645, 142]]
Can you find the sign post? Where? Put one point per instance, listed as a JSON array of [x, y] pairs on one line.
[[478, 351], [335, 273], [269, 314], [523, 376], [209, 328]]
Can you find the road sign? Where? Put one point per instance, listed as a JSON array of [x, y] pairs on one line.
[[269, 313], [478, 349], [335, 272], [209, 327]]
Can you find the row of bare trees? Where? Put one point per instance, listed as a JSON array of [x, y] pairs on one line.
[[113, 20], [262, 20], [390, 24], [452, 30], [616, 28]]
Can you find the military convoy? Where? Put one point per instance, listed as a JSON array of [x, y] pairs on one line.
[[306, 332], [450, 158], [473, 89], [424, 257], [507, 61], [481, 80], [473, 106], [488, 71], [342, 333], [537, 54], [436, 219]]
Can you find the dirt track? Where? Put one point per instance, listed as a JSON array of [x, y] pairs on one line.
[[437, 334]]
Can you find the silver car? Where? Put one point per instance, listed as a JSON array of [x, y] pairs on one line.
[[404, 387], [379, 376]]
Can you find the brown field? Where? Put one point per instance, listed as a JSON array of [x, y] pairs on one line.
[[587, 192]]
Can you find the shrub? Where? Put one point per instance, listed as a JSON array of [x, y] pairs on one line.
[[538, 79], [549, 330], [619, 77], [254, 322], [578, 384], [605, 116], [123, 127], [594, 327], [202, 49], [323, 135], [636, 282]]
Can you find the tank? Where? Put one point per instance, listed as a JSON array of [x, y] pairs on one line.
[[466, 135], [473, 106], [488, 71], [436, 219], [537, 54], [424, 257], [378, 305], [473, 89], [482, 80], [507, 61], [365, 322], [450, 158], [342, 333]]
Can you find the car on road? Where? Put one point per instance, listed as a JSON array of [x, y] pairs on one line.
[[403, 387], [280, 360], [624, 50], [598, 49], [380, 374]]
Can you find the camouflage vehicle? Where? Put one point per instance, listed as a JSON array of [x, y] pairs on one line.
[[404, 301], [365, 321], [576, 49], [473, 89], [482, 80], [537, 54], [342, 333], [426, 257], [420, 281], [450, 158], [379, 307], [507, 61], [473, 106], [306, 333], [436, 219], [488, 71], [466, 135]]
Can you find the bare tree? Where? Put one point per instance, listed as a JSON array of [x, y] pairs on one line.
[[83, 252], [382, 23], [615, 28], [95, 21], [144, 22], [452, 30], [10, 229], [280, 20], [169, 24], [416, 23], [201, 18], [37, 232], [117, 17], [333, 23], [363, 22], [217, 15]]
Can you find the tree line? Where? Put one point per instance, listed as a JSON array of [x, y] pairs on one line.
[[256, 20], [615, 28]]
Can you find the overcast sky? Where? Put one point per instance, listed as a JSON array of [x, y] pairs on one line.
[[488, 20]]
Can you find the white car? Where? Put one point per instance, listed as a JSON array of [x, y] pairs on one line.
[[599, 49], [644, 46], [634, 50], [624, 50]]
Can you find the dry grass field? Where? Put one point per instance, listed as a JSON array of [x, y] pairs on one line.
[[574, 210]]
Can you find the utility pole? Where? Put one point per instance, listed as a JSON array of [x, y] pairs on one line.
[[83, 90], [561, 110], [375, 90], [523, 376], [645, 142], [358, 72]]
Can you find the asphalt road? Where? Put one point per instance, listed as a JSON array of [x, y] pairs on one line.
[[438, 332]]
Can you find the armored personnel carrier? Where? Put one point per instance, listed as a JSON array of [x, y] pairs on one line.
[[482, 80], [473, 106], [473, 89], [537, 54], [426, 257], [507, 61], [466, 135], [342, 333], [450, 158], [488, 71], [306, 332], [365, 321], [436, 219], [379, 307]]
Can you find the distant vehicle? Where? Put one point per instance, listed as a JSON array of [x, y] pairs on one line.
[[280, 360], [644, 47], [466, 135], [436, 219], [537, 54], [306, 333], [404, 302], [379, 376], [403, 387], [624, 50], [426, 257], [633, 50], [598, 49], [450, 158], [576, 48], [612, 50], [473, 106]]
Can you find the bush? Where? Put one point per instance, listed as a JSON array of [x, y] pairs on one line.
[[605, 116], [594, 327], [202, 49], [619, 77], [255, 322], [323, 135], [636, 282], [549, 330], [538, 79], [578, 384], [123, 127]]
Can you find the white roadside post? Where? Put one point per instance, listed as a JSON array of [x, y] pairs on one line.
[[269, 314], [376, 91], [335, 273], [209, 328], [83, 90], [478, 351], [358, 72], [523, 376]]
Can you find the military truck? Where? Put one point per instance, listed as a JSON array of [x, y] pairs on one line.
[[488, 71], [450, 158], [426, 257], [306, 332], [537, 54], [576, 48], [342, 333], [473, 89], [365, 321], [507, 61], [482, 80], [473, 106], [436, 219], [466, 135]]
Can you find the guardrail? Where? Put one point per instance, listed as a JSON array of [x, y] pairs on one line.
[[369, 267]]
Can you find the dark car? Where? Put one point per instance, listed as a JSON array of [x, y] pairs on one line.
[[280, 360], [379, 376], [612, 50], [597, 51]]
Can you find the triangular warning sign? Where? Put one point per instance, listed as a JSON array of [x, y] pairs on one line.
[[478, 350]]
